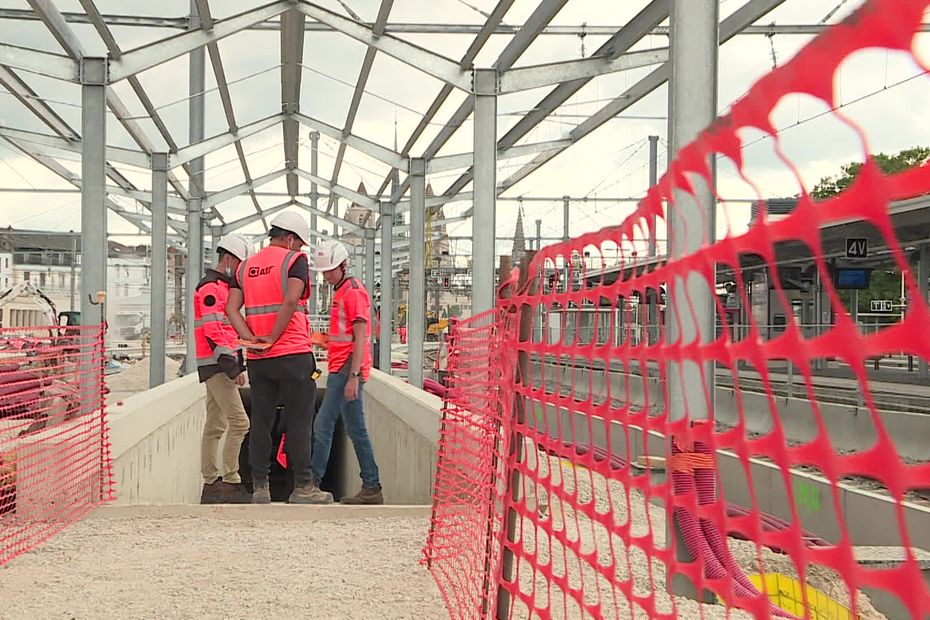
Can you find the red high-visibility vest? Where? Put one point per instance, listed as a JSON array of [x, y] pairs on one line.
[[213, 335], [263, 279]]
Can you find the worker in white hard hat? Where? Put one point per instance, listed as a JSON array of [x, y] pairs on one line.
[[220, 367], [273, 286], [349, 359]]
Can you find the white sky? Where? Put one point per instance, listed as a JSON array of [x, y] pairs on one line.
[[613, 162]]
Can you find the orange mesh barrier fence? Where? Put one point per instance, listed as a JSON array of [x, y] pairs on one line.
[[54, 447], [623, 436]]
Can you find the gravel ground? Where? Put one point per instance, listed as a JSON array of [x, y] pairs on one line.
[[608, 550], [193, 563], [135, 379]]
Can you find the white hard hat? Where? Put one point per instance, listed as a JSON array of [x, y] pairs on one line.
[[293, 223], [237, 245], [328, 255]]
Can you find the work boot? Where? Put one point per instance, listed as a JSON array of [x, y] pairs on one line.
[[261, 494], [310, 493], [231, 493], [365, 496], [211, 492]]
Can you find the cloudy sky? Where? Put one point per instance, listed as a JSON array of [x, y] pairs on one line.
[[612, 163]]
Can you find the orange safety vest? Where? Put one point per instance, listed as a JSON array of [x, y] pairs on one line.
[[263, 279], [213, 335]]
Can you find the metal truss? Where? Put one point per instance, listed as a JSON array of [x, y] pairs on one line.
[[178, 198]]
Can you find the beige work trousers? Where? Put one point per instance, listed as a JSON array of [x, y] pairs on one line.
[[225, 414]]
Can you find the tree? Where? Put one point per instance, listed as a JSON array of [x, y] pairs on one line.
[[888, 164], [884, 284]]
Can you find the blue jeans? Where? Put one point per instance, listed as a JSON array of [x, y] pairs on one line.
[[334, 405]]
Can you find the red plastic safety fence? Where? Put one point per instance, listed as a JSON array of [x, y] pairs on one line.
[[54, 447], [606, 452]]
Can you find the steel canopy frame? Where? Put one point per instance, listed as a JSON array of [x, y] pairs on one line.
[[482, 84]]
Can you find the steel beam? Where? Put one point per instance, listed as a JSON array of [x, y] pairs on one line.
[[116, 53], [34, 103], [542, 15], [196, 113], [416, 307], [345, 192], [428, 62], [536, 76], [485, 186], [564, 30], [730, 27], [314, 202], [292, 52], [463, 160], [923, 284], [370, 276], [387, 287], [382, 154], [114, 153], [38, 62], [482, 36], [159, 287], [235, 225], [219, 141], [149, 56], [376, 31], [693, 106], [216, 198], [93, 187], [624, 39], [222, 86], [333, 219]]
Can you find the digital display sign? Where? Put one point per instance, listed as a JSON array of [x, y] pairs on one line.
[[852, 278]]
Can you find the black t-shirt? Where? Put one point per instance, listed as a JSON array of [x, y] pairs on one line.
[[300, 269]]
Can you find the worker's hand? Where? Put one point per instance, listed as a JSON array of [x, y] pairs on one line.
[[319, 339], [351, 389], [240, 379], [264, 340]]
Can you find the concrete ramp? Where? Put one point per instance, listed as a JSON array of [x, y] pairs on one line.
[[274, 561]]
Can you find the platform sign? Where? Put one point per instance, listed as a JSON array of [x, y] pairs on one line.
[[882, 305], [857, 247]]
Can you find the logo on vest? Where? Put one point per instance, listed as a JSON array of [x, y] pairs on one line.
[[259, 271]]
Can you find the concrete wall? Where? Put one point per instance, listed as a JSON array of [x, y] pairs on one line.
[[849, 427], [155, 439], [404, 426]]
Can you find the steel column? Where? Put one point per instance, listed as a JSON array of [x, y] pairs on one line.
[[923, 273], [159, 289], [485, 190], [653, 179], [416, 306], [93, 186], [370, 264], [565, 202], [314, 202], [387, 290], [73, 271], [197, 75], [693, 106]]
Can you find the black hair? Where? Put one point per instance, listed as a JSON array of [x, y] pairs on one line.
[[279, 233], [221, 252]]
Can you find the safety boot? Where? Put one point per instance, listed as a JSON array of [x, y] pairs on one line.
[[261, 494], [231, 493], [211, 492], [310, 493], [370, 496]]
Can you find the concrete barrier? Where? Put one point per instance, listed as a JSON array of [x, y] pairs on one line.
[[849, 428], [155, 440], [403, 422]]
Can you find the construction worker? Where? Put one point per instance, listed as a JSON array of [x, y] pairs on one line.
[[349, 367], [274, 286], [220, 367]]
